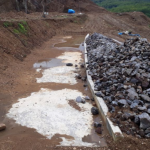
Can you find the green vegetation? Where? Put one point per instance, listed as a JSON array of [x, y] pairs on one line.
[[16, 31], [125, 5], [22, 28], [7, 24]]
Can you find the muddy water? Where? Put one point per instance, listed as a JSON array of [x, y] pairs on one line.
[[63, 121], [71, 42], [43, 64]]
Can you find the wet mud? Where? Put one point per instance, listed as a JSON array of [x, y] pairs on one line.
[[51, 53]]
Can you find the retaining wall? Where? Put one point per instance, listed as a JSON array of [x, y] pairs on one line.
[[114, 131]]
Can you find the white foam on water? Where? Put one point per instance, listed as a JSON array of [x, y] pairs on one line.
[[62, 74], [49, 113]]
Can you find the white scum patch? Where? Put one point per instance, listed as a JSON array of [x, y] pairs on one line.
[[38, 70], [62, 74], [49, 113], [71, 57]]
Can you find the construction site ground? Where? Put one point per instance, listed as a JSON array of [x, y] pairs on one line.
[[18, 53]]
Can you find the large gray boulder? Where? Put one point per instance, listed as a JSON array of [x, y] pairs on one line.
[[144, 121]]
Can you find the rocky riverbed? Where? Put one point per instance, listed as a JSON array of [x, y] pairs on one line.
[[121, 76]]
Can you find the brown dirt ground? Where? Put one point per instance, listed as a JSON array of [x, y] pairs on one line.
[[18, 52]]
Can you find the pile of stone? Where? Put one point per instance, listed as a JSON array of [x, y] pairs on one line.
[[121, 76]]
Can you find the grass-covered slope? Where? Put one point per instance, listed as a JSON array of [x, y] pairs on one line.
[[125, 5]]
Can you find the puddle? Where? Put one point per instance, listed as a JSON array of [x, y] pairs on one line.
[[50, 113], [74, 41], [44, 64], [62, 74], [81, 47]]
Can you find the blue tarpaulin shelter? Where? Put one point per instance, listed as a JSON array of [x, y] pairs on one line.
[[71, 11]]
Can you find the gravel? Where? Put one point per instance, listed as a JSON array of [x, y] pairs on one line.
[[121, 76]]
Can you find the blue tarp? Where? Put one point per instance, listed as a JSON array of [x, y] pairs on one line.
[[121, 33], [71, 11], [134, 34]]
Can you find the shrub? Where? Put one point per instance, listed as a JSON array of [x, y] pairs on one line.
[[7, 24]]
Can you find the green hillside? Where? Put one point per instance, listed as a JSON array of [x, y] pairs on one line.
[[125, 5]]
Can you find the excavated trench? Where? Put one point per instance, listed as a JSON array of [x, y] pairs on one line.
[[53, 111]]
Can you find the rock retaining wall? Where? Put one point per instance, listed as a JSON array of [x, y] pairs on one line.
[[114, 131], [120, 77]]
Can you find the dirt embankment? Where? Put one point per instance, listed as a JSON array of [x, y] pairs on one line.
[[51, 6], [19, 37]]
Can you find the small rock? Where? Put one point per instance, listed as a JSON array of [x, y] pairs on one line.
[[145, 97], [111, 109], [78, 76], [141, 133], [85, 85], [94, 111], [147, 135], [99, 94], [132, 94], [69, 64], [98, 130], [128, 133], [133, 105], [127, 116], [86, 98], [128, 71], [82, 65], [96, 124], [147, 131], [148, 111], [114, 103], [145, 83], [92, 99], [2, 127], [144, 121], [79, 99], [94, 104], [122, 103], [142, 108], [137, 120], [83, 78], [129, 102], [138, 136]]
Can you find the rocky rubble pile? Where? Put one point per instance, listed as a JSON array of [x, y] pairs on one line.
[[121, 76]]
